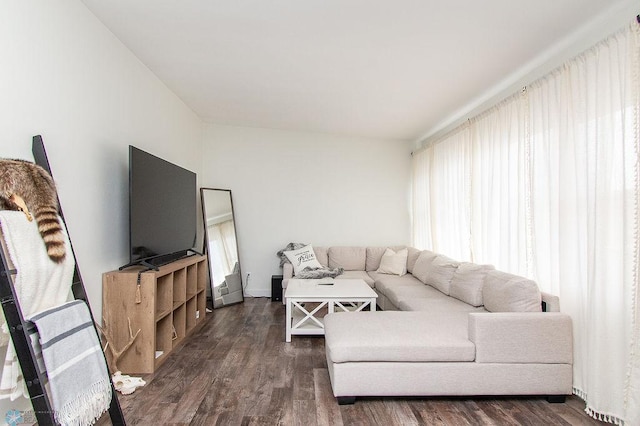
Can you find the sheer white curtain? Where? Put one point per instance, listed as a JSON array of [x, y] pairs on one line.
[[584, 154], [421, 213], [499, 187], [442, 183], [554, 195]]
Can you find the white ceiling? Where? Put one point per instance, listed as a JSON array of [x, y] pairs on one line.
[[372, 68]]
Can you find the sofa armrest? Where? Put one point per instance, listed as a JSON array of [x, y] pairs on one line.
[[287, 274], [287, 271], [522, 337], [550, 302]]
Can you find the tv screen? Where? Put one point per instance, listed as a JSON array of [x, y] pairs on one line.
[[162, 209]]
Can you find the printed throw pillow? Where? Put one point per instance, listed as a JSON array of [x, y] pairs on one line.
[[302, 258], [393, 263]]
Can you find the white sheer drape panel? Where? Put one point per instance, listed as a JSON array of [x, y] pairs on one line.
[[441, 196], [222, 249], [451, 185], [498, 226], [546, 194], [585, 212], [554, 195], [420, 210]]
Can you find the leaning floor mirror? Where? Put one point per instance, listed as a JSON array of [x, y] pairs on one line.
[[221, 245]]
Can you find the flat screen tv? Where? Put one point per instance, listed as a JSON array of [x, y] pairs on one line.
[[162, 209]]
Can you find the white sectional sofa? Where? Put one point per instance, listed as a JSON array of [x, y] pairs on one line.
[[447, 328]]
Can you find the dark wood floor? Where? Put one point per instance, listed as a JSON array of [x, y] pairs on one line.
[[237, 370]]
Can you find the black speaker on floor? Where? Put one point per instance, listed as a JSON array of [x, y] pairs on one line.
[[276, 288]]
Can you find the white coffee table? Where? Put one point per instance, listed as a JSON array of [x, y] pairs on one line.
[[349, 295]]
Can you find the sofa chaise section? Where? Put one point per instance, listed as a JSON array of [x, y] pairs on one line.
[[426, 354]]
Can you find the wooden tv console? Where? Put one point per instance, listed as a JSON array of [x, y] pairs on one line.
[[165, 305]]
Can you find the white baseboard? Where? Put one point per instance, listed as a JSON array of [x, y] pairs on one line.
[[257, 292]]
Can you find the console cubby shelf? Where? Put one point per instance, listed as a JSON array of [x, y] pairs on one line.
[[168, 306]]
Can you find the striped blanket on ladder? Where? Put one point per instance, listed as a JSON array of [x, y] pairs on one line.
[[78, 377]]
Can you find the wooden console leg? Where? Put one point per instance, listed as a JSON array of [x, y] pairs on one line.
[[556, 399], [344, 400]]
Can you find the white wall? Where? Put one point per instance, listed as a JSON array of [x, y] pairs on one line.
[[65, 76], [306, 187], [620, 14]]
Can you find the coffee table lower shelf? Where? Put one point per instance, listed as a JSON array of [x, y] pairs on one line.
[[304, 320], [301, 324]]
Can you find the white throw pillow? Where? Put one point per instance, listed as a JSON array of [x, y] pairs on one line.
[[302, 258], [393, 263]]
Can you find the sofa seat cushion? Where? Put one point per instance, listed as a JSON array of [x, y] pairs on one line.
[[446, 304], [392, 336], [385, 281], [356, 274], [399, 293]]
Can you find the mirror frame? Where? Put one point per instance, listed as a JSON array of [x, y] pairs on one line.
[[206, 244]]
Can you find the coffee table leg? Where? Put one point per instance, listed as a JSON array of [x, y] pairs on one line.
[[289, 318], [373, 305]]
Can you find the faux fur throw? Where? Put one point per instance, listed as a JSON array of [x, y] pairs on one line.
[[289, 247], [308, 273], [313, 273]]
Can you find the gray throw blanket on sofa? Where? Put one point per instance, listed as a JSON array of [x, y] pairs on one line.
[[308, 273], [289, 247], [313, 273]]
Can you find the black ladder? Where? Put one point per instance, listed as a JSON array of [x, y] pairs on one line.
[[20, 329]]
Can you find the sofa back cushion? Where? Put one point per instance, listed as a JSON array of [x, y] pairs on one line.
[[435, 270], [422, 265], [322, 256], [504, 292], [374, 255], [467, 282], [412, 257], [441, 272], [349, 258]]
